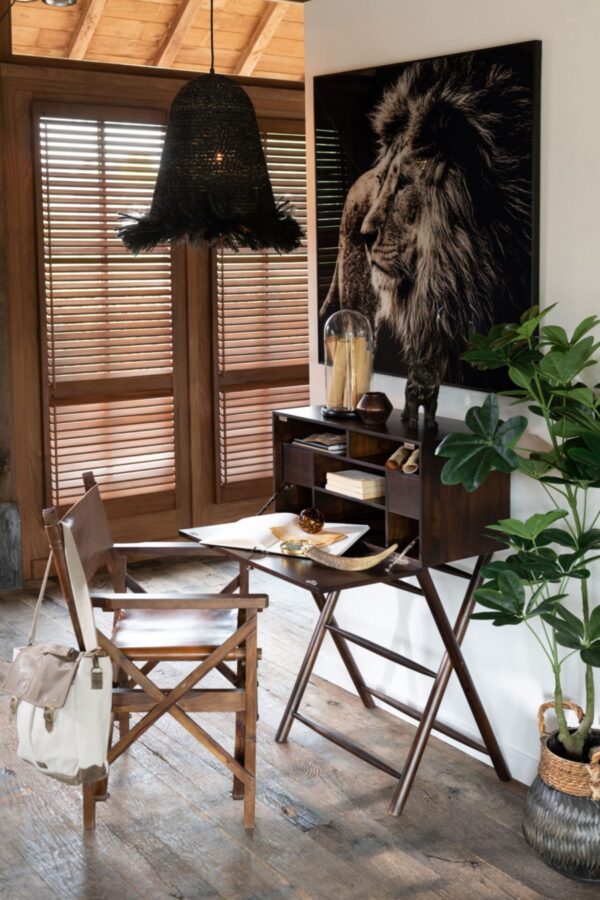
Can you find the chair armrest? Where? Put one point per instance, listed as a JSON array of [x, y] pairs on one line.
[[168, 548], [110, 602]]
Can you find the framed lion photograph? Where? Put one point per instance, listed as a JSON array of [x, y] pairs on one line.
[[427, 178]]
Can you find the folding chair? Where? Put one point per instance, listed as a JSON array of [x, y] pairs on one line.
[[210, 630]]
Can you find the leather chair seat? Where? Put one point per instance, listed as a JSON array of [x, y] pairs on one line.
[[173, 634]]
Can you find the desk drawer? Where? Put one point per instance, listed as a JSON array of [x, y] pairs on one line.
[[403, 494], [298, 466]]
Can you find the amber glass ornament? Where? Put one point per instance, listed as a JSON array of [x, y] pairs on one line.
[[311, 520]]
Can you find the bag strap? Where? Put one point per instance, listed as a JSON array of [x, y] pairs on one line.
[[81, 594], [38, 605]]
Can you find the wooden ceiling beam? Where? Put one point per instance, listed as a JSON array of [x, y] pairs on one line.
[[178, 28], [91, 10], [264, 31]]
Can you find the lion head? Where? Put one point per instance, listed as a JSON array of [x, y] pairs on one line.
[[439, 227]]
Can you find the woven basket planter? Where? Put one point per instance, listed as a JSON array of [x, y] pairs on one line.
[[562, 812]]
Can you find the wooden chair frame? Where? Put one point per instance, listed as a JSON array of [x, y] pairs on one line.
[[133, 691]]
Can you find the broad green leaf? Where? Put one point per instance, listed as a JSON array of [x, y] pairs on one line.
[[511, 527], [512, 588], [528, 328], [484, 615], [580, 573], [546, 606], [556, 335], [533, 468], [539, 521], [561, 367], [589, 540], [540, 566], [595, 624], [485, 359], [571, 622], [584, 326], [591, 654], [533, 526], [565, 638], [508, 433], [489, 447], [567, 560], [507, 620], [494, 600], [483, 420], [521, 379], [582, 395], [592, 441], [557, 536], [565, 429]]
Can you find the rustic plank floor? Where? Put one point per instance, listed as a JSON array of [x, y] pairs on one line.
[[171, 829]]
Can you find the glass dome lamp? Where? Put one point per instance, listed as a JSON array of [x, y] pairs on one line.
[[348, 343]]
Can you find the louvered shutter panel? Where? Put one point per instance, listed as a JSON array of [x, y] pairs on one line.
[[262, 332], [108, 315]]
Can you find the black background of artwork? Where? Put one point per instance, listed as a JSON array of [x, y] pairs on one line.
[[342, 104]]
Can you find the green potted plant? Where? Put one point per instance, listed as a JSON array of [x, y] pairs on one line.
[[550, 555]]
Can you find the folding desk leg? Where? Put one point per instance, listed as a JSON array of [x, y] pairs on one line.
[[238, 790], [452, 641], [347, 659], [453, 658], [327, 606]]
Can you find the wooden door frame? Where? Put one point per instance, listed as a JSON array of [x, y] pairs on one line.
[[22, 85]]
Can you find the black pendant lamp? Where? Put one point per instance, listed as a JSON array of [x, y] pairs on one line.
[[213, 186]]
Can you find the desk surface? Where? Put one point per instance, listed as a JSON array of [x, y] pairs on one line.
[[310, 575]]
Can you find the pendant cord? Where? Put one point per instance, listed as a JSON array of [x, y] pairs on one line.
[[212, 38]]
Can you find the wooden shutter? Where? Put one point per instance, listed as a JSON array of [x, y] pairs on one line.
[[261, 331], [107, 315]]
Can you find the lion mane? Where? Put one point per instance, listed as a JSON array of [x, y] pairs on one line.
[[438, 231]]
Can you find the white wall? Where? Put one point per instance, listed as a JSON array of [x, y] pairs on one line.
[[507, 664]]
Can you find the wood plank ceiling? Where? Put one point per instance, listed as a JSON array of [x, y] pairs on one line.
[[261, 38]]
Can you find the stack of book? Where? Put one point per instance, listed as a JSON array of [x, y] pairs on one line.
[[332, 443], [360, 485]]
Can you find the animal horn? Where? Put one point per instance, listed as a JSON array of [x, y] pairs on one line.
[[349, 563]]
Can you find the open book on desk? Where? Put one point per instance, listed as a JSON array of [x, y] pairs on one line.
[[254, 533]]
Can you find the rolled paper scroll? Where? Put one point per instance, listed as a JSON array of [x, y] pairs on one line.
[[338, 352], [361, 364], [411, 466], [397, 458]]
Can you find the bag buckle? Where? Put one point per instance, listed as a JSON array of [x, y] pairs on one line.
[[96, 673], [49, 717]]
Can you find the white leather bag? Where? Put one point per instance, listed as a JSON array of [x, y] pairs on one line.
[[62, 696]]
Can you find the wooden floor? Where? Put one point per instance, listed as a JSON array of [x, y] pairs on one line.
[[171, 829]]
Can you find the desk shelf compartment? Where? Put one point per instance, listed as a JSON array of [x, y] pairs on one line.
[[298, 465], [403, 494], [449, 522], [401, 530], [372, 450], [337, 508], [326, 464]]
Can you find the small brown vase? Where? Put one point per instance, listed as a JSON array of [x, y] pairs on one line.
[[374, 408]]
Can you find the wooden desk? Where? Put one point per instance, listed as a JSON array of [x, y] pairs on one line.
[[449, 524]]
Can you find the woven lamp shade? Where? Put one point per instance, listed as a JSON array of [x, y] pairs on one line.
[[213, 186]]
